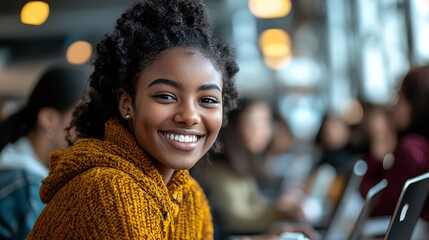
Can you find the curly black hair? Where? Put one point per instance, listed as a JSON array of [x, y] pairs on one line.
[[140, 36]]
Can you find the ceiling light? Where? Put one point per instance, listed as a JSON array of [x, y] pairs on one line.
[[270, 8], [79, 52], [35, 13], [275, 43]]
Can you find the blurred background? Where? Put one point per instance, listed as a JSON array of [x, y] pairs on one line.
[[305, 57]]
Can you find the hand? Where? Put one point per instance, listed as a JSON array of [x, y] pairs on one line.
[[290, 204]]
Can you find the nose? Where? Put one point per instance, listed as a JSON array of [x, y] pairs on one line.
[[187, 113]]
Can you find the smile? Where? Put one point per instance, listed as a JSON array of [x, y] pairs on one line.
[[181, 138]]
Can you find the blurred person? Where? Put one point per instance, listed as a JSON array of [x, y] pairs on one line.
[[334, 142], [231, 177], [410, 157], [378, 134], [27, 138], [334, 158], [161, 87], [277, 164]]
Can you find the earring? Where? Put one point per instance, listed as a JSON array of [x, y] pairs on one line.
[[127, 116]]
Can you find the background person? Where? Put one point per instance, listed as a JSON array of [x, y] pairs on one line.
[[27, 138], [411, 154]]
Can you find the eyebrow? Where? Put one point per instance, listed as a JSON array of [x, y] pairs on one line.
[[165, 82], [179, 86], [209, 87]]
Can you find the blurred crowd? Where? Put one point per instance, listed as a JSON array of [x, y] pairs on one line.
[[257, 180]]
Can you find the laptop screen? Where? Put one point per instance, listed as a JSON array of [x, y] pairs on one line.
[[409, 207]]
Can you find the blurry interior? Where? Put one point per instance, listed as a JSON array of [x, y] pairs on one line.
[[318, 58]]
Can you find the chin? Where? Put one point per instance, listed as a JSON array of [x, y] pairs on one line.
[[182, 165], [186, 166]]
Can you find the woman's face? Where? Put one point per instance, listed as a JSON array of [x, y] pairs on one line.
[[177, 113], [255, 126], [335, 133]]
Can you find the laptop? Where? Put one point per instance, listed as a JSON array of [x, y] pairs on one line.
[[408, 209], [352, 227], [356, 232], [347, 208]]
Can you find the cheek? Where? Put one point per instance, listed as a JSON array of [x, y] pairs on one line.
[[145, 122], [61, 133], [214, 122]]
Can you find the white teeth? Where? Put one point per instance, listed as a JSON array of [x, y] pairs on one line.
[[182, 138]]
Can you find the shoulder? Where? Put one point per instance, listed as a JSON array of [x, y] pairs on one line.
[[13, 179], [413, 139], [192, 185], [413, 148], [19, 193], [109, 177], [413, 142]]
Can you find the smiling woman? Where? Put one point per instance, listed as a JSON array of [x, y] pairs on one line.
[[161, 87]]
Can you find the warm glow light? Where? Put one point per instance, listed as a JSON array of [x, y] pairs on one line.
[[276, 50], [270, 8], [277, 63], [275, 43], [35, 13], [79, 52]]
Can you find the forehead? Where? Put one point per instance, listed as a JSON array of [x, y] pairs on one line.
[[181, 63]]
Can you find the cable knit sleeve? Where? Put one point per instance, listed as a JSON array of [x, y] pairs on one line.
[[118, 209]]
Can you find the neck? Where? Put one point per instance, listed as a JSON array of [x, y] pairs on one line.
[[166, 176], [40, 146], [166, 173]]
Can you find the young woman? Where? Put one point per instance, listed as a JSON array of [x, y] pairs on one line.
[[158, 94], [410, 157], [27, 138]]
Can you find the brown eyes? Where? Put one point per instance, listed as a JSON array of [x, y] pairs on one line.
[[167, 97]]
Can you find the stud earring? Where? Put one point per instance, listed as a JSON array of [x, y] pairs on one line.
[[127, 116]]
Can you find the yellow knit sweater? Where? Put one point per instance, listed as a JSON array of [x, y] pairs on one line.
[[111, 190]]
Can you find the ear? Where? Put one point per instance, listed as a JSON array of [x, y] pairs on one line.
[[125, 105], [47, 117]]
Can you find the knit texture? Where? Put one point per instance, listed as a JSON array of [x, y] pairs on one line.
[[111, 190]]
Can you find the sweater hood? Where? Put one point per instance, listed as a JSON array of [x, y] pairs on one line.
[[118, 150]]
